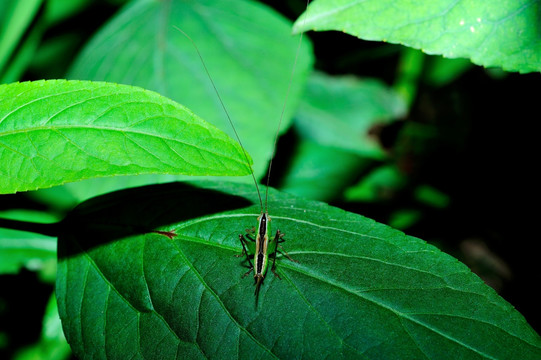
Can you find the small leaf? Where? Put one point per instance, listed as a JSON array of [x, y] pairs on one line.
[[53, 132], [380, 184], [359, 290], [320, 172], [490, 33], [20, 249], [341, 111], [441, 71]]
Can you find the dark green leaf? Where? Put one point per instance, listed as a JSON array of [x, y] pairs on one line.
[[53, 132], [441, 71], [58, 10], [431, 196], [491, 33], [24, 54], [359, 290], [404, 218]]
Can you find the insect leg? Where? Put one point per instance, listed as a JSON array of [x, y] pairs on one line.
[[245, 252], [285, 253], [277, 239], [280, 239]]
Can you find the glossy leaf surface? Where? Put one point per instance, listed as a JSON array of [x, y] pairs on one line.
[[359, 290]]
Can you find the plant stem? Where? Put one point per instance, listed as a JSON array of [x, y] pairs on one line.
[[50, 229]]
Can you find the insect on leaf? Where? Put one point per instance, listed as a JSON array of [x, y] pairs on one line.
[[360, 289]]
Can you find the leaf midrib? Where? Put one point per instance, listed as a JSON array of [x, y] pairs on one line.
[[113, 129]]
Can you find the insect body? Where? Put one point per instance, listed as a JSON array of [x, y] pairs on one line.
[[261, 247]]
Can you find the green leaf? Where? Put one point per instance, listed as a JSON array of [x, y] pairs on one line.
[[431, 196], [490, 33], [247, 47], [321, 172], [59, 10], [404, 218], [24, 54], [20, 249], [380, 184], [359, 290], [53, 132], [15, 18], [341, 111], [441, 71], [410, 68]]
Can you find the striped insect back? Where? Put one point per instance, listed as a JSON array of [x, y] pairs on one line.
[[261, 244]]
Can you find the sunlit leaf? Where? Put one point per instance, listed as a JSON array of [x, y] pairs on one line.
[[490, 33], [53, 132]]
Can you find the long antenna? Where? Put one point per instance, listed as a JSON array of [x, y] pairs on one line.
[[226, 113], [282, 114], [231, 121]]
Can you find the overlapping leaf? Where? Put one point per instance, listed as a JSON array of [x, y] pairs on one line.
[[53, 132], [247, 47], [503, 33]]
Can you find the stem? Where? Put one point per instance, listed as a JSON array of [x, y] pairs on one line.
[[51, 229]]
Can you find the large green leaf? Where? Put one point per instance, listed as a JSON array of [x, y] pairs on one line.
[[247, 47], [491, 33], [53, 132], [359, 290]]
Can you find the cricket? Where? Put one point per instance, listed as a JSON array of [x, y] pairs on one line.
[[257, 245]]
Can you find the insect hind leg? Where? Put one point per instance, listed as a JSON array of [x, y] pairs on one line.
[[279, 238], [243, 242]]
